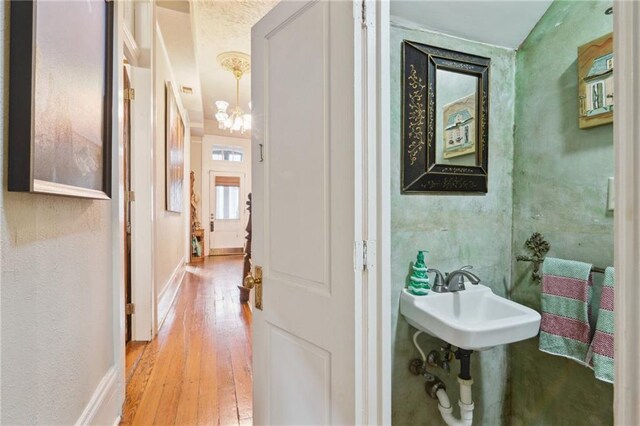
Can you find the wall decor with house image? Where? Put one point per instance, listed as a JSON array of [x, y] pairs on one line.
[[459, 127], [595, 82]]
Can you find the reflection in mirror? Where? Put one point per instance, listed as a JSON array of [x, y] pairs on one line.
[[456, 118]]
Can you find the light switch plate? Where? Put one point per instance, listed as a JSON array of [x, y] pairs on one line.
[[610, 194]]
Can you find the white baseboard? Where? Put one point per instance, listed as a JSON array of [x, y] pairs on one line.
[[169, 291], [102, 408]]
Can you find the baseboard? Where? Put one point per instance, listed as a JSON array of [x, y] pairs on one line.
[[103, 408], [226, 251], [169, 291]]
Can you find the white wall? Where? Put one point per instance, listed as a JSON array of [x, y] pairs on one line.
[[57, 297], [171, 238], [209, 165]]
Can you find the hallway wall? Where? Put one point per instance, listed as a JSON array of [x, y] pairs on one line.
[[171, 236], [56, 294]]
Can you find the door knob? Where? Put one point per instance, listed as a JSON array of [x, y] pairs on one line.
[[255, 281]]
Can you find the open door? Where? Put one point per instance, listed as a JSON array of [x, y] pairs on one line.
[[307, 214]]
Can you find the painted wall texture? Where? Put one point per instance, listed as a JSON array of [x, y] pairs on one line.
[[171, 243], [56, 291], [560, 190], [458, 230]]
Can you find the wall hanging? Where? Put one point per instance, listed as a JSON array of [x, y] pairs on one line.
[[445, 120], [595, 82], [60, 104]]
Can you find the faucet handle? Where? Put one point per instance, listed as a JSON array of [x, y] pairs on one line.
[[438, 283], [466, 267]]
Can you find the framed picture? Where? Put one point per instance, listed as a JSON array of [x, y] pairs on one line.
[[60, 105], [459, 127], [174, 140], [595, 82]]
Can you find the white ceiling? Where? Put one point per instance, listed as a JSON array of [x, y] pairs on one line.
[[222, 26], [501, 23], [195, 32]]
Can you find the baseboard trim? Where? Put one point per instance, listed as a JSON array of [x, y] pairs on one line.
[[102, 408], [226, 251], [169, 292]]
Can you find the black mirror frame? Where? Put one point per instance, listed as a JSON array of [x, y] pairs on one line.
[[420, 172]]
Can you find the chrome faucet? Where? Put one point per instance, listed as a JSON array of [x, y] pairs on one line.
[[448, 284]]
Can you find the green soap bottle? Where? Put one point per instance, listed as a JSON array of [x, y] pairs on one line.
[[419, 281]]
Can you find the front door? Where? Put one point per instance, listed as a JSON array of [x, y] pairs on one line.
[[227, 212], [306, 214]]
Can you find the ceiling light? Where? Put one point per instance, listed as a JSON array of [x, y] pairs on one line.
[[234, 120]]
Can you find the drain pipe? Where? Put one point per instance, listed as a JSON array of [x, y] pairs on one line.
[[437, 390]]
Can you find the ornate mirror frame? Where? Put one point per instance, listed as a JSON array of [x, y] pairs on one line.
[[420, 172]]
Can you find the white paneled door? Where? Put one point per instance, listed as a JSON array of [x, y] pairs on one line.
[[307, 213]]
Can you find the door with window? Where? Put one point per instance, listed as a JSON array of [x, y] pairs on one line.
[[227, 218]]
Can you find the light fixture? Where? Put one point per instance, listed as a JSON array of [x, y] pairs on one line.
[[235, 120]]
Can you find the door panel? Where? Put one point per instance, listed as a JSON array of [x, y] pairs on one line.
[[304, 223]]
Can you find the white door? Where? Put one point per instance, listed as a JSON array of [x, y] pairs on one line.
[[227, 207], [306, 214]]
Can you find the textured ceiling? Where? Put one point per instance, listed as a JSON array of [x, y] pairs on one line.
[[221, 26]]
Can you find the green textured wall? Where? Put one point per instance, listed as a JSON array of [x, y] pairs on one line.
[[560, 189], [458, 230]]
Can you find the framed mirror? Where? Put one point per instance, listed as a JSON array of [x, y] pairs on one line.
[[445, 120]]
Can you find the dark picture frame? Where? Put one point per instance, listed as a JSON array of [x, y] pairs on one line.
[[52, 148], [420, 172], [174, 152]]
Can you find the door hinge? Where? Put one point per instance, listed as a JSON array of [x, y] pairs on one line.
[[129, 94], [129, 309], [129, 196]]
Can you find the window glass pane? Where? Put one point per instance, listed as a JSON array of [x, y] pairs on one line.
[[227, 153], [227, 202]]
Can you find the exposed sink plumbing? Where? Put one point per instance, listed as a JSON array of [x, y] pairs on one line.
[[436, 389]]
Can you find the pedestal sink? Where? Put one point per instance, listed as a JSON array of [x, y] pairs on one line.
[[474, 318]]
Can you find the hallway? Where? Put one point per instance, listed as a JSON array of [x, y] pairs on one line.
[[198, 369]]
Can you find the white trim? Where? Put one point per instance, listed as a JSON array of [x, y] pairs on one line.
[[169, 290], [131, 49], [44, 187], [103, 404], [383, 190], [626, 132], [117, 214]]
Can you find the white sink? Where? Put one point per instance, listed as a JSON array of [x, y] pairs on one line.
[[474, 318]]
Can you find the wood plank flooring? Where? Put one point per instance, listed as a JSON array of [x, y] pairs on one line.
[[197, 371]]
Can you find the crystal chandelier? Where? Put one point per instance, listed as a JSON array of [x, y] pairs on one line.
[[235, 120]]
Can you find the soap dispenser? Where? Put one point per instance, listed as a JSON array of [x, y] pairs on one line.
[[419, 281]]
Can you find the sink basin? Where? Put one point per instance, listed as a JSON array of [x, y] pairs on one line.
[[474, 318]]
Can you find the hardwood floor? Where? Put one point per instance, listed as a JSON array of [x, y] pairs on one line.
[[198, 369]]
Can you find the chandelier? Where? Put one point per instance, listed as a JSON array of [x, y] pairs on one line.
[[235, 120]]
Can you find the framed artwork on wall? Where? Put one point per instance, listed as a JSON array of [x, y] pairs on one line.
[[60, 104], [174, 153], [595, 82]]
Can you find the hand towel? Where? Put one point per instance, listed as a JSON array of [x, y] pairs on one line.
[[602, 344], [566, 294]]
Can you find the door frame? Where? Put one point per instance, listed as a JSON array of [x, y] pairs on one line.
[[627, 218], [242, 175], [626, 134]]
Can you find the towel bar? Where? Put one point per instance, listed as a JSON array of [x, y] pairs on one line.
[[539, 248]]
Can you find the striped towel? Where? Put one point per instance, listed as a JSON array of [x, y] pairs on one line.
[[602, 344], [566, 294]]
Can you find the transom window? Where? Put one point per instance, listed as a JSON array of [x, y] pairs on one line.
[[227, 153]]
